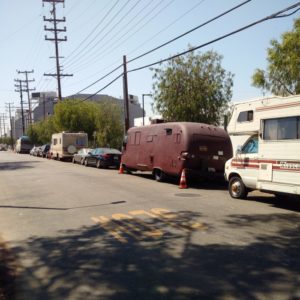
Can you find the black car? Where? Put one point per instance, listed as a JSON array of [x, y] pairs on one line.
[[103, 158], [43, 150]]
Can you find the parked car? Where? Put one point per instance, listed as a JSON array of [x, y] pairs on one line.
[[34, 150], [80, 156], [43, 150], [103, 158]]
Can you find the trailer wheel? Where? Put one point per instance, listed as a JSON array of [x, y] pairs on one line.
[[159, 175], [237, 188]]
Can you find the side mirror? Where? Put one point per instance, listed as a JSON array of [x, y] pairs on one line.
[[238, 150]]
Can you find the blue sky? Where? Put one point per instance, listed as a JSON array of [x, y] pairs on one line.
[[96, 44]]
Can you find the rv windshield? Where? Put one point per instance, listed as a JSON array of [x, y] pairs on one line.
[[251, 146]]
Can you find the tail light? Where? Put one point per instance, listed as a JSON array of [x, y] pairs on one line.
[[106, 156], [184, 155]]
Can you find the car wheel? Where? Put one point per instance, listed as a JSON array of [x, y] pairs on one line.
[[237, 188], [73, 160], [98, 164], [159, 175], [82, 161]]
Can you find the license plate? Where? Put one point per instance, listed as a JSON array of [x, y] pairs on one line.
[[116, 157]]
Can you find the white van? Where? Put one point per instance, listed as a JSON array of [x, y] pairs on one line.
[[269, 160], [65, 144]]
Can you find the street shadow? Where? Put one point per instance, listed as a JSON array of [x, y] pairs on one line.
[[96, 263], [10, 166], [204, 184]]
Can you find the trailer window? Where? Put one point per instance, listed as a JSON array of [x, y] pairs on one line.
[[54, 141], [281, 129], [149, 138], [137, 138], [80, 141], [245, 116], [177, 138], [168, 131]]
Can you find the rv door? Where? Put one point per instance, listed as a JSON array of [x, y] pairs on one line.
[[247, 162]]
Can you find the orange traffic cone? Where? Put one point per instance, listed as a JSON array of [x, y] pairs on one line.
[[121, 170], [182, 184]]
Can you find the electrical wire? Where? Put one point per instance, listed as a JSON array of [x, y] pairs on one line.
[[125, 37], [176, 38], [80, 54], [190, 31], [273, 16]]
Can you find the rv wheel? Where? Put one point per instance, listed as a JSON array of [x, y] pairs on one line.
[[159, 175], [237, 188]]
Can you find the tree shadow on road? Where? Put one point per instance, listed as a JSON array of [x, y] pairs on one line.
[[93, 263], [9, 166]]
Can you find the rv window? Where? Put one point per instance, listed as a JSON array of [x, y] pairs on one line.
[[60, 141], [251, 146], [80, 141], [137, 137], [245, 116], [281, 129], [177, 138], [168, 131], [149, 138], [54, 141]]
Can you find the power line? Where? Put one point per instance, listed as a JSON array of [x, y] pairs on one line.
[[80, 54], [176, 38], [165, 28], [190, 31], [110, 83], [92, 31], [273, 16], [120, 41]]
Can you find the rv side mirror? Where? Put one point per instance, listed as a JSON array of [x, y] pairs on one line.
[[238, 150]]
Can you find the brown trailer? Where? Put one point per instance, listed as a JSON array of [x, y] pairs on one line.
[[168, 148]]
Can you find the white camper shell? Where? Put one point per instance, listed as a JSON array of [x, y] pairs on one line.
[[65, 144], [269, 158]]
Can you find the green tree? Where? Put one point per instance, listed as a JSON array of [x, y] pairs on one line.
[[109, 125], [193, 88], [75, 115], [282, 76], [103, 119]]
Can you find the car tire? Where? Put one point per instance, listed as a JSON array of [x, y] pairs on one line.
[[237, 188], [159, 175]]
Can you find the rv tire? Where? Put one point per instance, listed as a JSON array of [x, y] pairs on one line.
[[237, 189], [159, 175]]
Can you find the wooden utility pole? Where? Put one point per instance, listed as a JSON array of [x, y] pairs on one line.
[[125, 94], [27, 89], [56, 40], [20, 89], [11, 126]]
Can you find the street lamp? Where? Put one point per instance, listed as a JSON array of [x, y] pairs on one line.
[[143, 95]]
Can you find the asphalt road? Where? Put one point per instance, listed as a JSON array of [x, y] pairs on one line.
[[75, 232]]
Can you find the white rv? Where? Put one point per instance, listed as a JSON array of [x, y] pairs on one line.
[[65, 144], [269, 159]]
